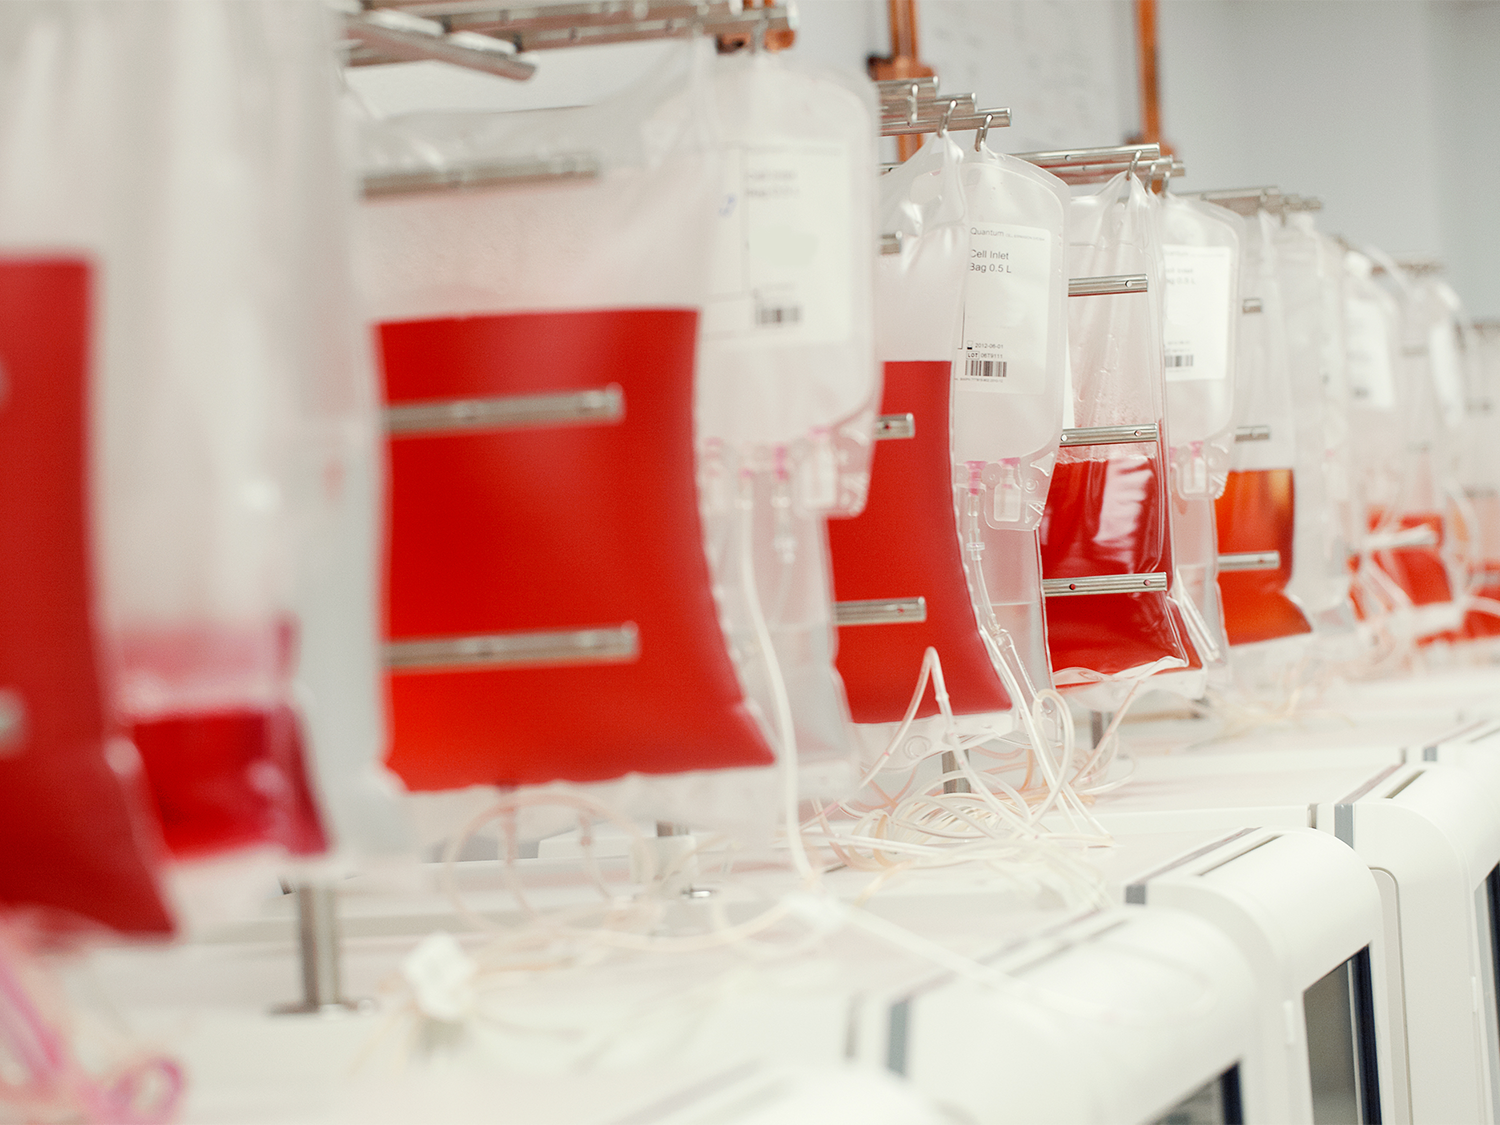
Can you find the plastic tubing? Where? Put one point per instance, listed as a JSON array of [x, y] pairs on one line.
[[787, 760]]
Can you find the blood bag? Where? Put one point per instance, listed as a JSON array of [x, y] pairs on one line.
[[788, 387], [1479, 474], [1108, 509], [79, 842], [551, 612], [907, 543], [1201, 309], [77, 836], [1009, 378], [787, 331], [1311, 279], [1201, 312], [1401, 471], [1257, 511]]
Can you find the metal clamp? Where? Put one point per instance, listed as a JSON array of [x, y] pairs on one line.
[[596, 406], [1107, 286], [1109, 435], [881, 611], [1103, 584], [895, 426], [1250, 560], [605, 644]]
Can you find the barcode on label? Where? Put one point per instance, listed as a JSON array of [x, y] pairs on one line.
[[986, 369], [778, 314], [1179, 361]]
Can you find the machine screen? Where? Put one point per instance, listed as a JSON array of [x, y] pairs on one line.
[[1339, 1010], [1216, 1102], [1488, 910]]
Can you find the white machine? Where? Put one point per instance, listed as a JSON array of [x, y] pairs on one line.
[[979, 996], [1430, 836], [1306, 913]]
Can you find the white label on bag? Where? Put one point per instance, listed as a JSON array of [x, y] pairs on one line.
[[1368, 355], [1007, 295], [1197, 311], [783, 255]]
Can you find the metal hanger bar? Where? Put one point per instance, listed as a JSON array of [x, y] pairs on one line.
[[585, 28], [899, 89], [1105, 286], [890, 243], [599, 405], [1252, 433], [1250, 560], [895, 426], [881, 611], [378, 42], [1103, 584], [934, 106], [605, 644], [565, 166], [1252, 305], [1114, 154], [998, 118], [1098, 173], [594, 13], [1109, 435]]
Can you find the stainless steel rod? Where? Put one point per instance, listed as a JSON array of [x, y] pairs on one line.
[[605, 644], [1109, 435], [596, 406], [881, 611], [1103, 584], [1106, 286], [1250, 560], [889, 426]]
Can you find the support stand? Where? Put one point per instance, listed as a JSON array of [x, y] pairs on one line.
[[321, 953]]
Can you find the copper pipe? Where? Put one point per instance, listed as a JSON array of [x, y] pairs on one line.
[[904, 60], [1145, 36]]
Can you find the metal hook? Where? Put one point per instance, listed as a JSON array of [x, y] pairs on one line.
[[982, 132], [911, 104], [947, 113], [1134, 160], [1166, 175]]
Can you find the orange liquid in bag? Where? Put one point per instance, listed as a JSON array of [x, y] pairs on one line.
[[1109, 517], [905, 544], [1256, 513], [556, 528]]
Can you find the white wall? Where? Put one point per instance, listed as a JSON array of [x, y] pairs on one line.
[[1389, 111]]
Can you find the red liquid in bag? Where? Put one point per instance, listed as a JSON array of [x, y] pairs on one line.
[[230, 779], [905, 544], [566, 527], [1256, 513], [1109, 517], [223, 774], [1478, 625], [75, 835], [1417, 570]]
